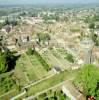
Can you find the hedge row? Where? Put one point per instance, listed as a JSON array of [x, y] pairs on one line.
[[43, 62]]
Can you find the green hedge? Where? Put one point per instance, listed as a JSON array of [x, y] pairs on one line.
[[43, 62], [70, 58]]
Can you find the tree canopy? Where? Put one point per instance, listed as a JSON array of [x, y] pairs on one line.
[[30, 51], [88, 80], [7, 61], [3, 63], [69, 57], [42, 37], [92, 25]]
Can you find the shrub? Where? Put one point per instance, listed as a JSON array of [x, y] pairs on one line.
[[43, 62]]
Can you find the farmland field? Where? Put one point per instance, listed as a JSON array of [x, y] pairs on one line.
[[56, 58], [27, 69]]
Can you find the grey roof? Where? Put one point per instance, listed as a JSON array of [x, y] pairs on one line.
[[57, 68]]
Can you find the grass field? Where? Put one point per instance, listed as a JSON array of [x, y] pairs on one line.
[[56, 58], [37, 67], [29, 68], [56, 79], [48, 83], [50, 58]]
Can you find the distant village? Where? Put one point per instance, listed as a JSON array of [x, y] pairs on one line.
[[65, 30], [52, 33]]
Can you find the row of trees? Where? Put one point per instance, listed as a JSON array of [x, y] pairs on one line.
[[70, 58], [1, 25], [8, 22], [88, 80], [94, 36], [43, 37], [51, 17], [91, 19], [53, 95]]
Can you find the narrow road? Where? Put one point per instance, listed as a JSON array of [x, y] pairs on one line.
[[19, 95]]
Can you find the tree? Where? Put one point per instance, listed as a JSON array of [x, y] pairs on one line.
[[1, 26], [42, 37], [87, 79], [10, 59], [47, 38], [94, 37], [65, 19], [14, 22], [9, 56], [92, 26], [70, 58], [97, 41], [30, 51], [7, 61], [7, 22], [6, 83], [3, 63]]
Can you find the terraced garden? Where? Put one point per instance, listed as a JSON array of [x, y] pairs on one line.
[[56, 58], [48, 83], [29, 68]]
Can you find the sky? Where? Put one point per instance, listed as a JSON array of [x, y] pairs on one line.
[[13, 2]]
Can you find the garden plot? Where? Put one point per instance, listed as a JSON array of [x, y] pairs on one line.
[[55, 59], [51, 59], [29, 68], [20, 70], [37, 66]]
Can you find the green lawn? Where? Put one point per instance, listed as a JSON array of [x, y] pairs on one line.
[[20, 69], [62, 54], [48, 83], [53, 58], [37, 66], [30, 66], [56, 79], [50, 58]]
